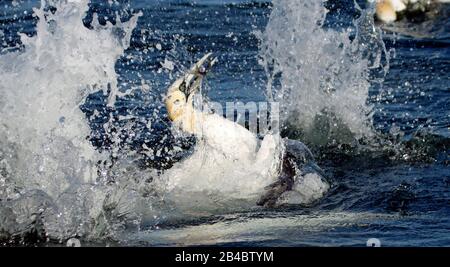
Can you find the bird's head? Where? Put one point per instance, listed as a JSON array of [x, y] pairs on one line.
[[179, 95]]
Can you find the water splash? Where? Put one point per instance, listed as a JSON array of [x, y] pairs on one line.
[[321, 76], [48, 166], [50, 180], [51, 176]]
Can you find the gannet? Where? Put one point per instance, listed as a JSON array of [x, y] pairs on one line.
[[231, 160], [388, 11]]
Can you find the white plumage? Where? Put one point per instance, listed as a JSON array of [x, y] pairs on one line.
[[228, 159]]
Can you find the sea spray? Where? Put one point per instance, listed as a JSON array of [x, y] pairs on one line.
[[48, 166], [50, 169], [320, 76]]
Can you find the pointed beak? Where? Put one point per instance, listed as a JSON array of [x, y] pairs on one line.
[[178, 94], [192, 81]]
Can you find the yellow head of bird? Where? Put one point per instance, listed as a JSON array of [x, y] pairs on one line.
[[180, 94], [176, 103]]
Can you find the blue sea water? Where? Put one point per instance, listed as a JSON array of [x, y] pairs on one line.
[[398, 192]]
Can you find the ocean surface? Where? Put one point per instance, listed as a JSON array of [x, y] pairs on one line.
[[82, 85]]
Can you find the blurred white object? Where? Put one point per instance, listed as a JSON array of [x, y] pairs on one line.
[[73, 242], [387, 10], [374, 242]]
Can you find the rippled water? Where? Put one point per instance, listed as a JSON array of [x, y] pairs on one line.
[[371, 101]]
